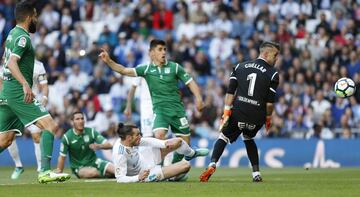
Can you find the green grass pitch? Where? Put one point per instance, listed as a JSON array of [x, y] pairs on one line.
[[289, 182]]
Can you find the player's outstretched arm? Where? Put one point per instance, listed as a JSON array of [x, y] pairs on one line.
[[104, 55], [15, 71], [128, 111], [104, 146], [194, 88], [60, 164], [45, 91]]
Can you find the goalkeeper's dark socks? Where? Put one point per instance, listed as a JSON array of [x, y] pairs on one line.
[[252, 153], [218, 150]]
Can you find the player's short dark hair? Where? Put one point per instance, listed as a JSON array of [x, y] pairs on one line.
[[268, 44], [74, 113], [124, 130], [24, 9], [156, 42]]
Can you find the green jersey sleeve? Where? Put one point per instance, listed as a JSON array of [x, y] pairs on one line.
[[182, 74], [99, 139], [21, 44], [64, 146], [141, 70]]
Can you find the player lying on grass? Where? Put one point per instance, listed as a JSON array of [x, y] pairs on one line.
[[81, 143], [138, 159]]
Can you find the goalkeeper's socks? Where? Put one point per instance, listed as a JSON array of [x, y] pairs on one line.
[[252, 153], [177, 157], [218, 150]]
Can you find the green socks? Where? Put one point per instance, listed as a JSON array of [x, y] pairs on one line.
[[46, 146]]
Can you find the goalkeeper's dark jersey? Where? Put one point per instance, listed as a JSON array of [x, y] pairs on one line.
[[256, 84]]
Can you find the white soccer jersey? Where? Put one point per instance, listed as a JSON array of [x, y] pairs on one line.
[[39, 77], [146, 112], [145, 98], [129, 161]]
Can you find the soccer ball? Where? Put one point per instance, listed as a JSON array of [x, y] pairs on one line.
[[344, 87]]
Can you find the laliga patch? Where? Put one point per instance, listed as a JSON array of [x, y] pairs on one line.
[[22, 42]]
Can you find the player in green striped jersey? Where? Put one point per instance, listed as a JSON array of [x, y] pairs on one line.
[[80, 143], [162, 77], [18, 107]]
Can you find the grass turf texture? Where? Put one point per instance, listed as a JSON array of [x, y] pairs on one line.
[[289, 182]]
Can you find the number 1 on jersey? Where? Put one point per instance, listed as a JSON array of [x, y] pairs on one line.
[[252, 78]]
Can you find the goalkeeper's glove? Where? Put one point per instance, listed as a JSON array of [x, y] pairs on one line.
[[225, 117], [268, 123]]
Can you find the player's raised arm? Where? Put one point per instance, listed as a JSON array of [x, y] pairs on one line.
[[15, 71], [104, 55], [131, 94]]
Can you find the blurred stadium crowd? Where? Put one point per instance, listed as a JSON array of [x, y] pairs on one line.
[[320, 42]]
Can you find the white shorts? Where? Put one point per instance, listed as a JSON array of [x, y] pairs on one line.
[[156, 174], [150, 160], [33, 129], [150, 157]]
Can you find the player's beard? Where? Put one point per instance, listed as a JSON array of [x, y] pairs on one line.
[[32, 27]]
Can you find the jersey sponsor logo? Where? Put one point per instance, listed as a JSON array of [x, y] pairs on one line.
[[243, 125], [247, 100], [167, 70], [184, 122], [3, 101], [22, 42], [86, 138]]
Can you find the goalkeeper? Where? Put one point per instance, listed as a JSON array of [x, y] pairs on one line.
[[248, 105]]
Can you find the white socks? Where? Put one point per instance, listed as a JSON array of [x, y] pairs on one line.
[[14, 153], [38, 156], [185, 149]]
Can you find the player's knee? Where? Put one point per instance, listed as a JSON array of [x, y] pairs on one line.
[[5, 143], [178, 142], [224, 138], [185, 166], [36, 138], [54, 127], [160, 135]]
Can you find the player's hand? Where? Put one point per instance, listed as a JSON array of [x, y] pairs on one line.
[[267, 124], [128, 112], [143, 175], [44, 101], [223, 122], [28, 94], [94, 146], [225, 119], [104, 55], [199, 105]]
